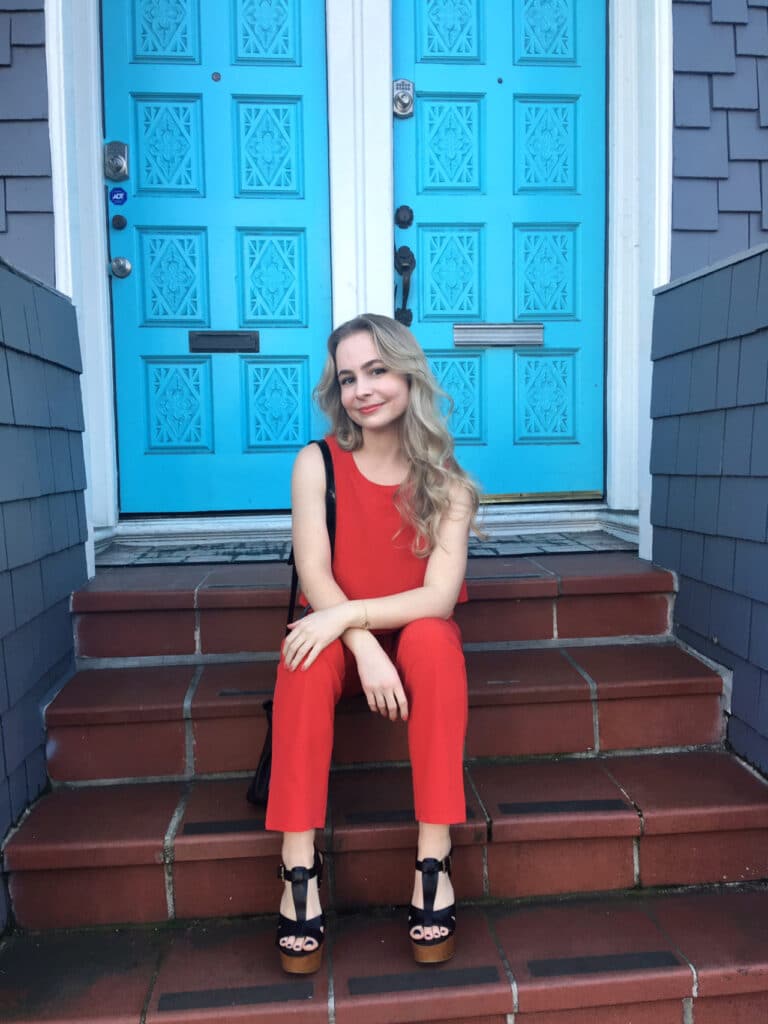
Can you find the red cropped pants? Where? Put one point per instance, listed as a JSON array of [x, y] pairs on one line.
[[428, 656]]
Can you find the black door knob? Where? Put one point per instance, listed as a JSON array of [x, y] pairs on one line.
[[403, 216]]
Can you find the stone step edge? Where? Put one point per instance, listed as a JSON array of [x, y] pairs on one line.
[[594, 897], [168, 855], [540, 587], [753, 980], [377, 766], [500, 695], [667, 639]]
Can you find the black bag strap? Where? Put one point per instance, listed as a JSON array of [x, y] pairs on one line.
[[330, 521]]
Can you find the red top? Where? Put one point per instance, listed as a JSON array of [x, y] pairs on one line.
[[371, 559]]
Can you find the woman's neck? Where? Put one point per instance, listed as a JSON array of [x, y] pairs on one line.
[[381, 457], [382, 444]]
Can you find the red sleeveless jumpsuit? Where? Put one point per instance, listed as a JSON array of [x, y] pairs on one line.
[[372, 559]]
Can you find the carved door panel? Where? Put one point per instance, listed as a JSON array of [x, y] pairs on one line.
[[225, 226], [503, 165]]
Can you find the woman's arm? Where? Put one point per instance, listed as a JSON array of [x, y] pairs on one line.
[[312, 547], [312, 553]]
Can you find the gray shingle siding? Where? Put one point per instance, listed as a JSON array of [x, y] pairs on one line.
[[720, 160], [26, 220], [42, 524], [709, 460]]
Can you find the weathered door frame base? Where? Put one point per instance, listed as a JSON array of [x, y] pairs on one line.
[[359, 34]]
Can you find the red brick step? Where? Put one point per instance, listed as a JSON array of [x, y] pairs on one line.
[[657, 959], [184, 610], [131, 722], [148, 852]]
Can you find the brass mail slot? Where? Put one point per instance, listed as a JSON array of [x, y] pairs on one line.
[[223, 341], [498, 335]]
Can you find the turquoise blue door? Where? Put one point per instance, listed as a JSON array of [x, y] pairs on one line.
[[224, 220], [503, 166]]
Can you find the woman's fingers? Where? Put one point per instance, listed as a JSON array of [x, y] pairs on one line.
[[391, 703], [402, 703], [391, 708], [300, 646]]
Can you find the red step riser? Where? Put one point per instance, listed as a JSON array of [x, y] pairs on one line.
[[173, 631], [365, 878], [159, 749]]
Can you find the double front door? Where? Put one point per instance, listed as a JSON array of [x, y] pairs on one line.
[[219, 227]]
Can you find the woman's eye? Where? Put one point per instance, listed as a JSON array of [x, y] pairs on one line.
[[345, 380], [378, 370]]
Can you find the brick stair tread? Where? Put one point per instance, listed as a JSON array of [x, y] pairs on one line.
[[546, 675], [176, 720], [265, 583], [98, 826], [151, 611], [527, 801], [602, 961]]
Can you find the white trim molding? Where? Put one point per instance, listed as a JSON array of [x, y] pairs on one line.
[[73, 54], [639, 237], [359, 46]]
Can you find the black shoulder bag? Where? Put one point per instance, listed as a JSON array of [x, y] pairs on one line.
[[258, 790]]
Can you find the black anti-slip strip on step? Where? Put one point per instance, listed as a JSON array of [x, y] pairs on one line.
[[218, 998], [511, 575], [213, 828], [419, 980], [245, 693], [404, 814], [601, 964], [563, 806]]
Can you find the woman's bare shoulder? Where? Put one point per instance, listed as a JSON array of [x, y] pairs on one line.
[[309, 468], [309, 458]]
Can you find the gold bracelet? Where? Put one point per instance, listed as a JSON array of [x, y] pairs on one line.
[[365, 624]]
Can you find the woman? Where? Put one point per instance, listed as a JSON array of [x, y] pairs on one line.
[[381, 619]]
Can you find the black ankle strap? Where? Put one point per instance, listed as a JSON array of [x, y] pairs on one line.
[[300, 874], [432, 866], [297, 874]]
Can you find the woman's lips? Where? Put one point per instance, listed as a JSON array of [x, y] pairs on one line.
[[366, 409]]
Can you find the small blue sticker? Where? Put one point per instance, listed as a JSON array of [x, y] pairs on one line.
[[118, 196]]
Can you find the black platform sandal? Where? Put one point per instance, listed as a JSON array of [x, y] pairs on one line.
[[432, 951], [301, 961]]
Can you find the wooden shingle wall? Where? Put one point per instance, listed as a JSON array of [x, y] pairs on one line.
[[720, 187], [26, 208], [42, 525], [709, 460]]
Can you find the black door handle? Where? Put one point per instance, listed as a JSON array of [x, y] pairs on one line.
[[405, 264]]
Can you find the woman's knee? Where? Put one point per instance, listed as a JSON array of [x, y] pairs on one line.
[[430, 638], [321, 681], [432, 664]]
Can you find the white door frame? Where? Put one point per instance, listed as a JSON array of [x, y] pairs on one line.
[[360, 146]]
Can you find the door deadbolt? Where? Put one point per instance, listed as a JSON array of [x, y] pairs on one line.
[[120, 266], [116, 161], [402, 98], [403, 217]]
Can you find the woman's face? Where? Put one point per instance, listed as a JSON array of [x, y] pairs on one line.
[[373, 395]]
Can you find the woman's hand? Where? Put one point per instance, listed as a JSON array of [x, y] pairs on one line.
[[313, 633], [381, 682]]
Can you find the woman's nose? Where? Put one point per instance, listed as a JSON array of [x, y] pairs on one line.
[[363, 385]]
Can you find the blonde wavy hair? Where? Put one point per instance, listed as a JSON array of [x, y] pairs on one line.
[[424, 495]]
